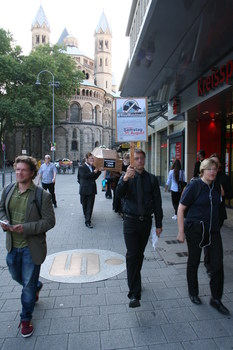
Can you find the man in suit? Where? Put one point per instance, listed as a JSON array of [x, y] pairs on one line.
[[87, 174], [25, 226]]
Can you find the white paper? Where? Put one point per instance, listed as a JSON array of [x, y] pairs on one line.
[[154, 238]]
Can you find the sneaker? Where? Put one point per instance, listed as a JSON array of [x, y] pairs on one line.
[[174, 217], [26, 328], [38, 292]]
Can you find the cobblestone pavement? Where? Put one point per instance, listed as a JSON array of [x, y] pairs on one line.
[[96, 315]]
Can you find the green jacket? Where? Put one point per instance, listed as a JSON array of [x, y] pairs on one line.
[[35, 226]]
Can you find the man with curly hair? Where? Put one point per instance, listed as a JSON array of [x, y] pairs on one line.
[[25, 222]]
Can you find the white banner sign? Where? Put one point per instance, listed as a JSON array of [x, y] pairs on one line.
[[131, 119]]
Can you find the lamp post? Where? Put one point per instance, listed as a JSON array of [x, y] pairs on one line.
[[39, 83]]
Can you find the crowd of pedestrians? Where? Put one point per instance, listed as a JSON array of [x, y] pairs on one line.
[[27, 213]]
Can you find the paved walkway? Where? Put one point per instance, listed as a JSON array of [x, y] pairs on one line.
[[95, 315]]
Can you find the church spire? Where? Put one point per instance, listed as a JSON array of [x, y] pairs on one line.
[[103, 54], [103, 25], [40, 29]]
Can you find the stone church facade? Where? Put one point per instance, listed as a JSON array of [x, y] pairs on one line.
[[90, 119]]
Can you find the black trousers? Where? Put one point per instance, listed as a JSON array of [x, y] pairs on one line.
[[87, 204], [175, 200], [215, 253], [51, 188], [206, 255], [108, 193], [136, 234]]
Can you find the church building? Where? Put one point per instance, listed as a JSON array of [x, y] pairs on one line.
[[90, 119]]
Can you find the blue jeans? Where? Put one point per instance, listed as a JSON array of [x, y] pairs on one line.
[[25, 272]]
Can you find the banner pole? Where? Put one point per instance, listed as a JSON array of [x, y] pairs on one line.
[[132, 146]]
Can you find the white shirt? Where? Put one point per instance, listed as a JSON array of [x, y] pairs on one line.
[[171, 180], [89, 166]]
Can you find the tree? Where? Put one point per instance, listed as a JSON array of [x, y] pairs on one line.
[[22, 103]]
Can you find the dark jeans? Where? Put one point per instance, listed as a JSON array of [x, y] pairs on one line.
[[51, 188], [175, 200], [25, 272], [87, 204], [215, 252], [136, 234], [108, 193]]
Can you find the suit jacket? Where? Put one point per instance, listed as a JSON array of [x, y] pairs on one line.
[[87, 180], [35, 226]]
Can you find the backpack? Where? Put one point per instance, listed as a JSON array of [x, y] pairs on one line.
[[38, 196]]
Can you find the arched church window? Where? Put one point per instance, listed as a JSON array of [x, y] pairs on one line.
[[75, 113], [101, 44], [74, 146], [106, 84], [37, 39], [74, 136], [100, 62], [106, 44], [43, 39], [106, 61]]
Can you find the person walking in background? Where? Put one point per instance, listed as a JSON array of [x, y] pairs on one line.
[[25, 226], [47, 175], [201, 157], [222, 181], [142, 199], [117, 202], [201, 228], [175, 175], [87, 174], [109, 179]]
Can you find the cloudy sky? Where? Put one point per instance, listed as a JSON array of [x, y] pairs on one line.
[[80, 17]]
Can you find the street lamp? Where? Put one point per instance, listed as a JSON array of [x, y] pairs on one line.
[[53, 84]]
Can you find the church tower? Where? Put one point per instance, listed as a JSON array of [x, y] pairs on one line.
[[40, 29], [103, 55]]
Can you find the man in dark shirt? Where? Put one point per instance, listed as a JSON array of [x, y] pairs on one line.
[[142, 198], [201, 157]]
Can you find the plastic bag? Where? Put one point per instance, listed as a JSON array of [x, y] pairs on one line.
[[154, 238], [104, 182]]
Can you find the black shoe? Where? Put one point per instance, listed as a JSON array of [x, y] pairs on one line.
[[218, 305], [55, 205], [195, 299], [134, 302], [89, 225]]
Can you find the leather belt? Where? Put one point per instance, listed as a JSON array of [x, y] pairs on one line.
[[138, 217]]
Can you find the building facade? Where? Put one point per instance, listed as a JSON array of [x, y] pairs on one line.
[[181, 58], [89, 121]]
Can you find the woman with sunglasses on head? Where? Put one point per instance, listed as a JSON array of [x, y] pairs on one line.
[[201, 230]]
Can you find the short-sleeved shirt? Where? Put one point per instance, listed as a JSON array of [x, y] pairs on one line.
[[47, 172], [206, 206]]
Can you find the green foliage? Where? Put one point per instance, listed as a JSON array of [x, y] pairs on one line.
[[21, 100]]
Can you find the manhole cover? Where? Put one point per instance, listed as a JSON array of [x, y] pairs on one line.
[[82, 265]]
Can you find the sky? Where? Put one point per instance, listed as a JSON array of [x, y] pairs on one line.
[[79, 17]]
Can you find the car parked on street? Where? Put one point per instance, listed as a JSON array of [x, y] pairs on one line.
[[63, 165]]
